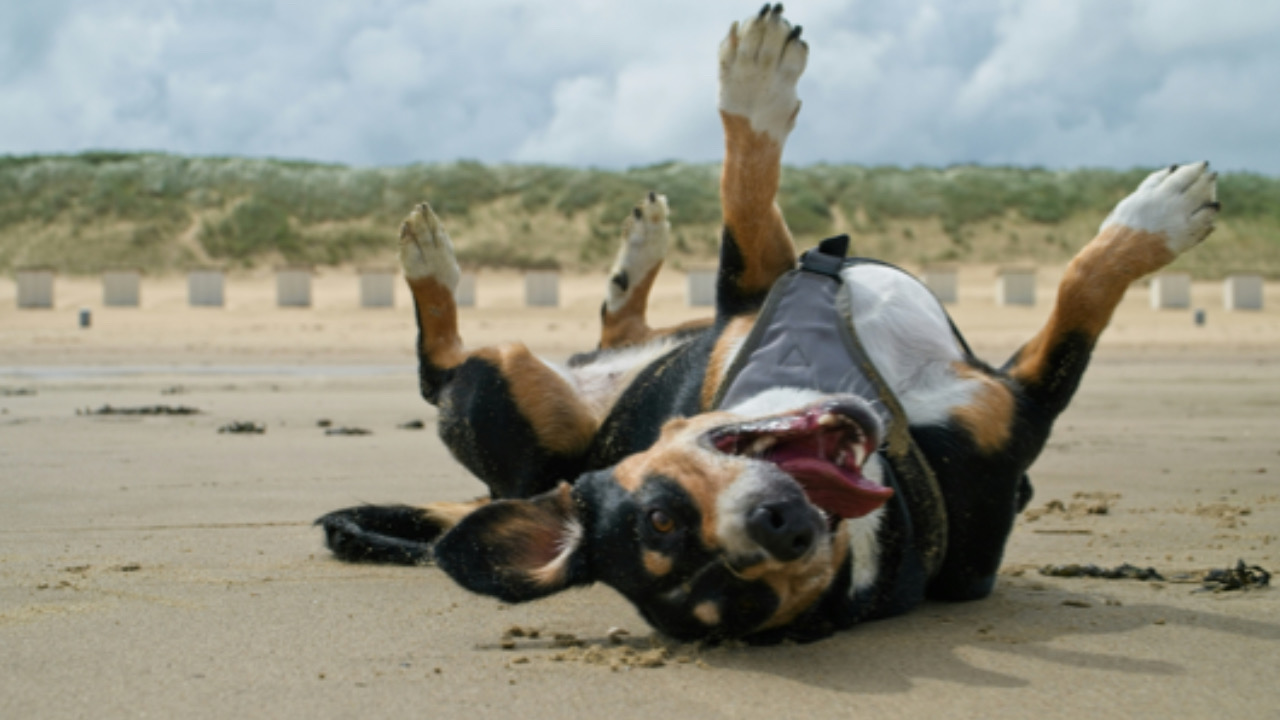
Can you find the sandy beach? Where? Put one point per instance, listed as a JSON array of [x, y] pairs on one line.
[[151, 566]]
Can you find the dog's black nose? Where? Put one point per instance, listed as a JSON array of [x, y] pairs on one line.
[[785, 528]]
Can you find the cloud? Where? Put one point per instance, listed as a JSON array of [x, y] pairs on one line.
[[1092, 82]]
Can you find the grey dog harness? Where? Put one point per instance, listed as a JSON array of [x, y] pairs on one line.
[[802, 339]]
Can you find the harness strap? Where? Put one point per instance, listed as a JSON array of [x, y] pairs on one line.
[[802, 340]]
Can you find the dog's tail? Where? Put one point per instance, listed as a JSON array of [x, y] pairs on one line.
[[392, 534]]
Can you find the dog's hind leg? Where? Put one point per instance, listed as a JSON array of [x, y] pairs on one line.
[[1170, 212], [623, 316], [760, 62], [514, 420], [431, 271], [643, 247]]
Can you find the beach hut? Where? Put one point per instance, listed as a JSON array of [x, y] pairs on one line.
[[204, 288], [1242, 292], [542, 288], [465, 294], [1016, 286], [942, 281], [293, 287], [1171, 290], [35, 288], [700, 287], [377, 288], [121, 288]]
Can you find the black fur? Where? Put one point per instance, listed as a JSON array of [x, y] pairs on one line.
[[731, 299], [394, 534], [482, 427], [621, 279]]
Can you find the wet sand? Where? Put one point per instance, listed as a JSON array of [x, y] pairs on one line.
[[150, 565]]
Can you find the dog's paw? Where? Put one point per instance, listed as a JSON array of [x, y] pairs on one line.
[[644, 245], [1178, 203], [760, 62], [425, 249]]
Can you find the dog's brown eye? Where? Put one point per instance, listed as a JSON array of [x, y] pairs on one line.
[[661, 521]]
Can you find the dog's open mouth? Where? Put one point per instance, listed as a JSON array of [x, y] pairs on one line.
[[822, 446]]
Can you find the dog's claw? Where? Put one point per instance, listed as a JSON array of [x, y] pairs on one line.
[[425, 248], [1178, 203], [760, 62]]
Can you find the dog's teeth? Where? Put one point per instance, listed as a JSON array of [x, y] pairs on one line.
[[859, 454], [761, 445], [841, 457], [828, 420]]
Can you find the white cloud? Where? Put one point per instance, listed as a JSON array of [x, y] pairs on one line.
[[1091, 82]]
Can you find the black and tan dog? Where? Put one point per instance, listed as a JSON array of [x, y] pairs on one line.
[[789, 512]]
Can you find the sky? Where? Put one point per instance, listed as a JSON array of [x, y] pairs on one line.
[[1059, 84]]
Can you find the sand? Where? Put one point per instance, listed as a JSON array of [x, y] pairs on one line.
[[151, 566]]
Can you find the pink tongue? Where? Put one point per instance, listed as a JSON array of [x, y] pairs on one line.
[[845, 494]]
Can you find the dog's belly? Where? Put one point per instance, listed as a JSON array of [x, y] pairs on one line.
[[600, 382]]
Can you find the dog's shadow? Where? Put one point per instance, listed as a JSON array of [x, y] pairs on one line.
[[1022, 618]]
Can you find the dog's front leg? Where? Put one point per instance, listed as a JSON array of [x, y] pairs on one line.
[[1171, 211], [508, 416], [760, 62]]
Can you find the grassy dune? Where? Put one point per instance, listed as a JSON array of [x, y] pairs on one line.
[[81, 214]]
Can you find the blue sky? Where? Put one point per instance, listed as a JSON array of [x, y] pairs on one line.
[[1109, 83]]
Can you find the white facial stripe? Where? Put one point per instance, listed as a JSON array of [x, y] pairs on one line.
[[732, 508]]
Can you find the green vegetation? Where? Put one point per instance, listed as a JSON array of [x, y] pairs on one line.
[[83, 213]]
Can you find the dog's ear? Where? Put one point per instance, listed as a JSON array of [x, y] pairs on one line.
[[518, 550]]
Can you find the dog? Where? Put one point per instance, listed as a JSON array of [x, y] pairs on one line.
[[784, 511]]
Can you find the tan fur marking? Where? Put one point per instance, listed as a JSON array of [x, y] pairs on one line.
[[560, 420], [692, 474], [656, 564], [1092, 286], [707, 612], [718, 364], [799, 585], [748, 188], [449, 514], [797, 592], [628, 325], [688, 465], [989, 415], [438, 320], [629, 474]]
